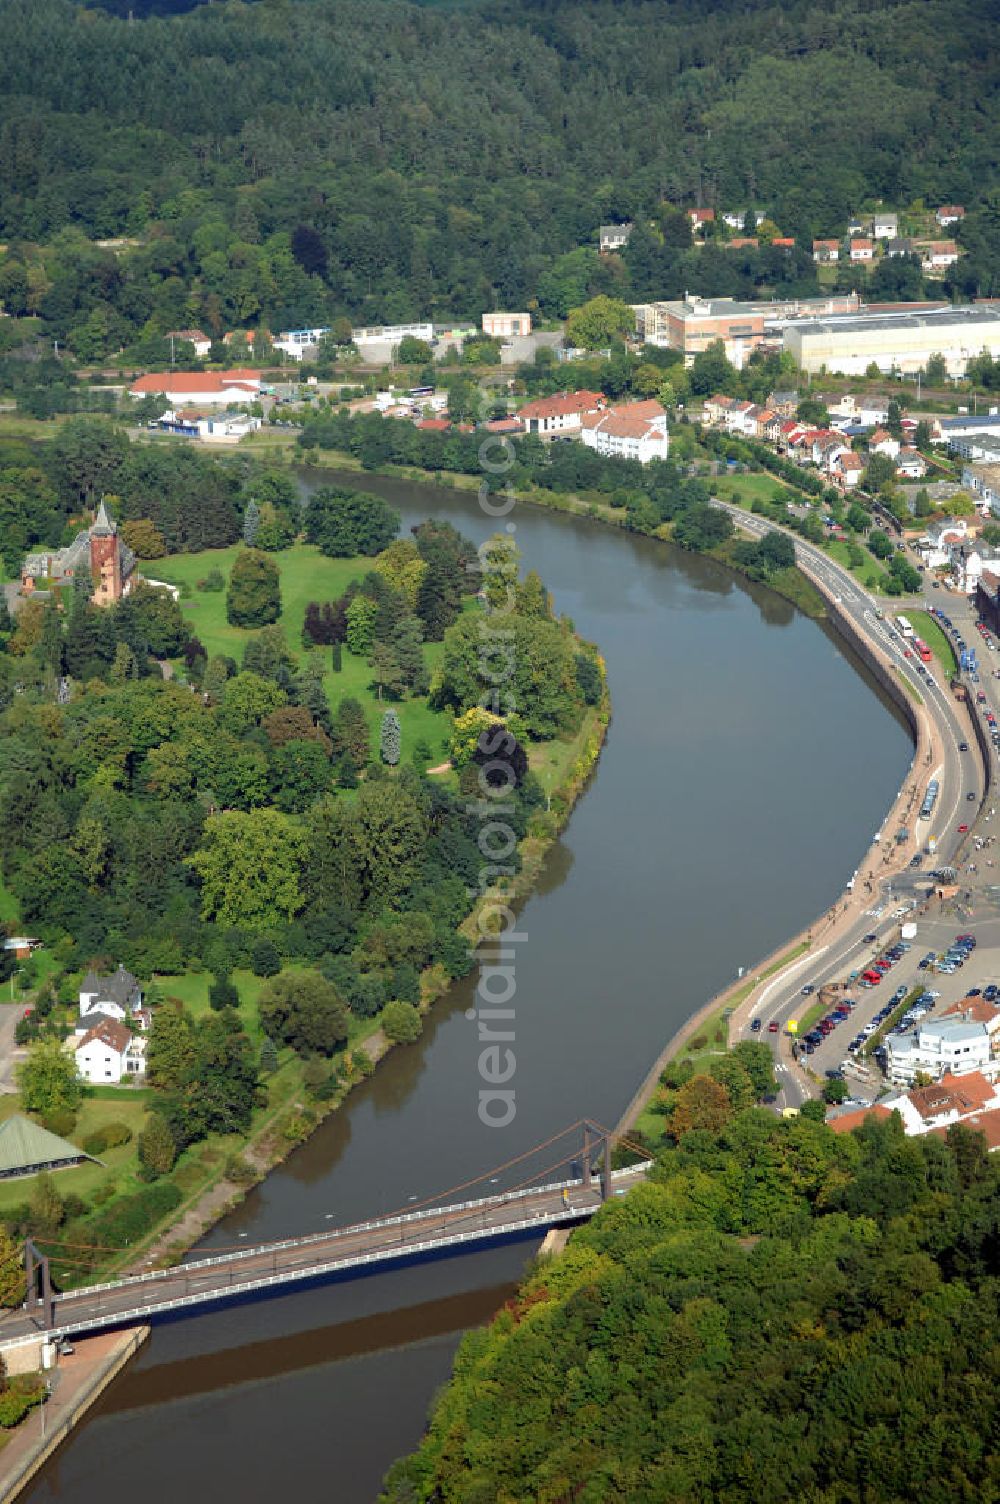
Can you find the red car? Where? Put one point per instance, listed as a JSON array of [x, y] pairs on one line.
[[962, 830], [772, 1027]]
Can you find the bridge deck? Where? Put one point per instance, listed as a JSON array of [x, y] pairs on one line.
[[270, 1265]]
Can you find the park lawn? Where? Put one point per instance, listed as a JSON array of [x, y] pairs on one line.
[[926, 627], [118, 1165], [746, 489], [306, 575], [869, 572]]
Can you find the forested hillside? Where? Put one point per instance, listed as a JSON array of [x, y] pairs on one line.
[[784, 1314], [294, 160]]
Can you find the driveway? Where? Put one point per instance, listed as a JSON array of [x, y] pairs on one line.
[[9, 1053]]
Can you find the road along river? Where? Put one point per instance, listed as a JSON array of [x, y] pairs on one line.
[[747, 764]]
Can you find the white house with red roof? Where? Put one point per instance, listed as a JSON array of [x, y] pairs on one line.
[[200, 388], [561, 414], [882, 442], [848, 469], [862, 249], [949, 214], [631, 431], [109, 1053]]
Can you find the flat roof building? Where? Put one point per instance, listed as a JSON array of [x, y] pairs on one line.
[[902, 341], [692, 324]]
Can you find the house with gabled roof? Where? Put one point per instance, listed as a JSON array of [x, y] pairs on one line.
[[109, 1053], [560, 414], [117, 996]]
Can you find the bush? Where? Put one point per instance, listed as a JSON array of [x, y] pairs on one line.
[[23, 1395], [62, 1120], [240, 1172], [111, 1136], [213, 581], [129, 1218], [401, 1023], [362, 1062]]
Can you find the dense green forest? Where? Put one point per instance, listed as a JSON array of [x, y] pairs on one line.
[[292, 161], [782, 1314]]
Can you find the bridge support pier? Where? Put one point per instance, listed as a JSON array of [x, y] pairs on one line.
[[595, 1138]]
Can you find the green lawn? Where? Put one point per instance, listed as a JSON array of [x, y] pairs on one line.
[[745, 489], [306, 575], [926, 627]]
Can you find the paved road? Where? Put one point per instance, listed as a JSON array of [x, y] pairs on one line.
[[9, 1053], [259, 1266], [958, 774]]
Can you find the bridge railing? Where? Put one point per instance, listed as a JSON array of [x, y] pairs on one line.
[[258, 1250], [300, 1274]]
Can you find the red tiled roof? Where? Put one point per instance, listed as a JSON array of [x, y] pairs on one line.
[[110, 1032], [701, 215], [848, 1121], [829, 245], [563, 405], [622, 427], [986, 1123], [977, 1010], [194, 381], [783, 240], [437, 425]]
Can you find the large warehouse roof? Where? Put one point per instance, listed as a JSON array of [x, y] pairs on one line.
[[890, 323]]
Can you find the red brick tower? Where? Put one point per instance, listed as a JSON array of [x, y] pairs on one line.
[[105, 560]]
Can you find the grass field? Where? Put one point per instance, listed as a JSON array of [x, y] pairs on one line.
[[926, 627], [306, 575]]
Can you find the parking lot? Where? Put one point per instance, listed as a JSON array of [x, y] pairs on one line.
[[905, 966]]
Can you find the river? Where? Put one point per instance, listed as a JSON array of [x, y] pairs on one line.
[[747, 764]]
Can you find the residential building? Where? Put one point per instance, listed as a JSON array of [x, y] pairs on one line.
[[299, 343], [117, 995], [882, 442], [209, 428], [200, 388], [692, 324], [899, 246], [938, 256], [743, 243], [826, 250], [715, 408], [984, 481], [613, 237], [931, 1109], [200, 340], [630, 431], [949, 214], [784, 242], [864, 412], [848, 469], [858, 226], [862, 249], [700, 218], [976, 446], [109, 1053], [784, 403], [97, 552], [903, 340], [910, 464], [561, 414], [885, 225], [937, 1046], [507, 325], [737, 218]]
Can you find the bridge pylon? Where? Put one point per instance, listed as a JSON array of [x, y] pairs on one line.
[[595, 1140], [39, 1284]]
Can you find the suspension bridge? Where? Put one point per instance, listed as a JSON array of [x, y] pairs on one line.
[[422, 1232]]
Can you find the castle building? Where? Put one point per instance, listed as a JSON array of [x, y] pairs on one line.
[[97, 551]]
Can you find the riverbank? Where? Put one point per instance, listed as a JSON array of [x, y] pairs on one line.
[[76, 1384], [269, 1146], [790, 584]]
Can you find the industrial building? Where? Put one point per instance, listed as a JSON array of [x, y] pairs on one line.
[[691, 324], [902, 341]]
